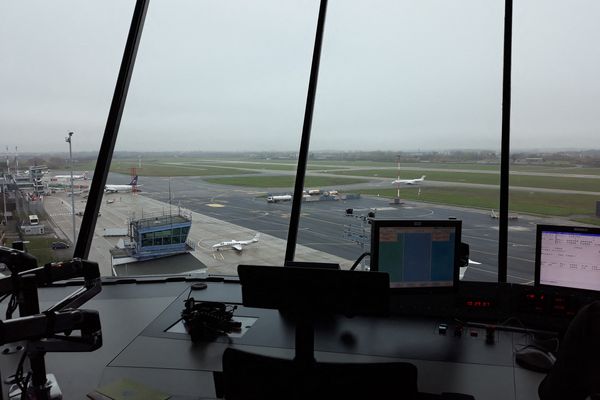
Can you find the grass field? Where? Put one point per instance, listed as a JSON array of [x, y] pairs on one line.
[[40, 248], [576, 206], [334, 164], [257, 165], [547, 182], [165, 169], [284, 181]]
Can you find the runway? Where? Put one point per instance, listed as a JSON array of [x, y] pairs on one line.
[[322, 224]]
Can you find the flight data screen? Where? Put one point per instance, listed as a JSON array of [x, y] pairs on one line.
[[417, 256], [570, 259]]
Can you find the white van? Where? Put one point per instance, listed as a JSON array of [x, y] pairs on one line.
[[34, 220]]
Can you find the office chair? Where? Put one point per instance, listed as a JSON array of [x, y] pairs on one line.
[[253, 376]]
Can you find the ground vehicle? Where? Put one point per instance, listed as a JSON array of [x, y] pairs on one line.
[[59, 245], [275, 199], [33, 219]]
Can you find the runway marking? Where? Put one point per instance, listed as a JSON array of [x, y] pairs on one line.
[[215, 205], [496, 273], [328, 243], [515, 228]]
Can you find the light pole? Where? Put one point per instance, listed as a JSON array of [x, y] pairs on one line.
[[68, 140], [4, 220]]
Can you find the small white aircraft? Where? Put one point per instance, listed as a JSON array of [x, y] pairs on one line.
[[463, 270], [237, 245], [496, 215], [122, 188], [409, 181]]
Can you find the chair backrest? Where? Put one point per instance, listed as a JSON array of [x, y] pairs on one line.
[[254, 376]]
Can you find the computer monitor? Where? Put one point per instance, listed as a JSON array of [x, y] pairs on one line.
[[567, 257], [417, 253], [314, 290], [309, 293], [311, 264]]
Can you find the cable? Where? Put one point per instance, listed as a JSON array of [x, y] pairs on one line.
[[19, 381], [363, 255], [12, 306]]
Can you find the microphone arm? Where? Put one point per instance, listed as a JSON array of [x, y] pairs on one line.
[[54, 272], [43, 328]]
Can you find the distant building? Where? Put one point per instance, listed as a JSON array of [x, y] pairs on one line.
[[36, 173], [155, 236]]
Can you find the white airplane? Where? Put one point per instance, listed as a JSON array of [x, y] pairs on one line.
[[122, 188], [410, 181], [463, 270], [496, 215], [63, 177], [237, 245]]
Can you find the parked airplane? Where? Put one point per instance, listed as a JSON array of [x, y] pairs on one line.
[[496, 215], [122, 188], [63, 177], [236, 244], [410, 181]]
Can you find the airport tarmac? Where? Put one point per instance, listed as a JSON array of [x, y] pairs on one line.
[[223, 213], [205, 232], [322, 224]]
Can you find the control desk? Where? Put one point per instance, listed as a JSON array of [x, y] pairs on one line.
[[144, 341]]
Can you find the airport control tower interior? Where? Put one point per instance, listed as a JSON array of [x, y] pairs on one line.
[[299, 199]]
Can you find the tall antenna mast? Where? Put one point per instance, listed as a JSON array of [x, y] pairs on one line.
[[398, 181], [170, 196]]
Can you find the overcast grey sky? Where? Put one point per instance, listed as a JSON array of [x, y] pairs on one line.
[[224, 74]]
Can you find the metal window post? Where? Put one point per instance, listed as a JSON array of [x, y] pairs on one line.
[[305, 141], [88, 224], [505, 145]]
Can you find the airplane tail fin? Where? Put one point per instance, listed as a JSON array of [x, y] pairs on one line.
[[423, 177], [134, 181], [256, 237]]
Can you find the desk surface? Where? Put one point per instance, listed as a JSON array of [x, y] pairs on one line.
[[135, 318]]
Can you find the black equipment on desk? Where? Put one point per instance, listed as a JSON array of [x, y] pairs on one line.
[[417, 254], [305, 264], [314, 290], [205, 320]]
